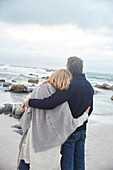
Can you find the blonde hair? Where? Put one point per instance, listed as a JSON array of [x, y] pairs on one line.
[[60, 79]]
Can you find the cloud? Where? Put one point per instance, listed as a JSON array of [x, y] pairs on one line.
[[85, 14], [34, 32], [54, 42]]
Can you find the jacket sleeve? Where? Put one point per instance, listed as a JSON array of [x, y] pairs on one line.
[[82, 119], [59, 97], [91, 109]]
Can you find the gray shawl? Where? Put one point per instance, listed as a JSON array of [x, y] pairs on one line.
[[49, 127]]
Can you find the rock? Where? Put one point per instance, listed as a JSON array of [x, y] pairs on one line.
[[6, 84], [111, 97], [15, 110], [31, 74], [45, 77], [1, 108], [14, 81], [19, 131], [10, 115], [7, 109], [31, 88], [104, 86], [33, 80], [18, 111], [2, 80], [18, 88], [16, 126], [95, 92], [33, 85]]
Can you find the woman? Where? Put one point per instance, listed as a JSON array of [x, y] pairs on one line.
[[45, 130]]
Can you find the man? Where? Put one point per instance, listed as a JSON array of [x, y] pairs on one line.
[[80, 97]]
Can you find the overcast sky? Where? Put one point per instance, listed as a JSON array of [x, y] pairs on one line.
[[45, 33]]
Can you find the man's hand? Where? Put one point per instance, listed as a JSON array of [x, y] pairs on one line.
[[87, 111], [26, 103]]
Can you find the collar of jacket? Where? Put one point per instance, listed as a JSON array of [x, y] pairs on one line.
[[79, 76]]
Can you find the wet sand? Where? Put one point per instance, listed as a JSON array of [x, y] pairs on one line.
[[99, 145]]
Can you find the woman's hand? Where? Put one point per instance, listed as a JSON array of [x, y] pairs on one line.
[[87, 111], [26, 103]]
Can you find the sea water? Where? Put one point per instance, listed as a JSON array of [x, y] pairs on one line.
[[103, 105]]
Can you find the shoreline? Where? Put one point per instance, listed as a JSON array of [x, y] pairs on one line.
[[99, 145]]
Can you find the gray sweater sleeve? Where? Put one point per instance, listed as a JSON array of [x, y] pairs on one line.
[[82, 119]]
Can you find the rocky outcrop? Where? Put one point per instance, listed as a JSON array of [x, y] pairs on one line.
[[111, 97], [33, 81], [18, 88], [104, 86], [15, 110]]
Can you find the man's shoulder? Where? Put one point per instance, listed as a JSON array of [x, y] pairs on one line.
[[89, 83], [76, 83], [90, 87]]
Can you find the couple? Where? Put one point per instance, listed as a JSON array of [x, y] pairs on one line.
[[54, 123]]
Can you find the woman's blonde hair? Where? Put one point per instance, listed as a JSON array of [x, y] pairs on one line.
[[60, 79]]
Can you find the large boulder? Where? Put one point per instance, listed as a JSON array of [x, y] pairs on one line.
[[104, 86], [33, 80], [18, 110], [19, 88]]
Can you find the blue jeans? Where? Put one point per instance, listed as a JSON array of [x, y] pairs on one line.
[[73, 157], [24, 166]]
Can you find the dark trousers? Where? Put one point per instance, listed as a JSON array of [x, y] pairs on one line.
[[24, 166], [73, 157]]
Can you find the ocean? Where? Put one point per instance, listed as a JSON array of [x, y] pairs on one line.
[[103, 105]]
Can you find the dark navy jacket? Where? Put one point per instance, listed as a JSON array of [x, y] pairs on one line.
[[79, 96]]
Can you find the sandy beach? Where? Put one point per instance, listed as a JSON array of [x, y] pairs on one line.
[[99, 145], [9, 142]]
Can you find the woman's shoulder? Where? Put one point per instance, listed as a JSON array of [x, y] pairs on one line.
[[47, 86], [39, 87], [43, 90]]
